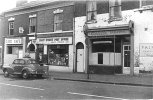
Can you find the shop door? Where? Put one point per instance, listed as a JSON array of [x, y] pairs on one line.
[[80, 60], [126, 59], [20, 55]]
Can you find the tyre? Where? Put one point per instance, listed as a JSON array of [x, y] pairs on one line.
[[25, 75], [39, 75], [6, 73]]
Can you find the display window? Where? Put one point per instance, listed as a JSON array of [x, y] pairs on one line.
[[58, 55]]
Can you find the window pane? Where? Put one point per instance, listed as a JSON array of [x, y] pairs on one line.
[[91, 10], [58, 21], [115, 9], [9, 49]]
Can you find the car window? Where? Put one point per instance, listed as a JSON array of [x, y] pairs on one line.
[[31, 61], [17, 61], [22, 61]]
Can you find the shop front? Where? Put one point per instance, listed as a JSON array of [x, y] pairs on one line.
[[56, 52], [13, 48], [110, 50]]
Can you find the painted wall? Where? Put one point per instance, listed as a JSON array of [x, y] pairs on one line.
[[144, 40]]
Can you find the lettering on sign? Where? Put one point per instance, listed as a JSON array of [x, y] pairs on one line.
[[146, 50], [104, 33], [55, 40], [13, 41]]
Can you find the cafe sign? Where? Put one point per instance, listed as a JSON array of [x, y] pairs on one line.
[[108, 33], [55, 40], [13, 41], [146, 50]]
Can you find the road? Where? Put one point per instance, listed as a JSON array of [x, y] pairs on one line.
[[18, 88]]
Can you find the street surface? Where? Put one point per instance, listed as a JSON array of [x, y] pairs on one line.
[[16, 88]]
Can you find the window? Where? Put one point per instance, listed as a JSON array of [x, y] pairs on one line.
[[17, 61], [11, 28], [58, 19], [13, 49], [58, 55], [31, 47], [91, 10], [32, 26], [115, 10]]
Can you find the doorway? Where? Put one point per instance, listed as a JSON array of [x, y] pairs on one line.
[[126, 59], [80, 58]]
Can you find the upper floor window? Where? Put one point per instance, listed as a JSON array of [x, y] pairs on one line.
[[58, 19], [11, 28], [115, 10], [32, 25], [91, 10]]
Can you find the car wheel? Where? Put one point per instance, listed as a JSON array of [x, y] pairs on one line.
[[6, 73], [25, 74], [39, 75]]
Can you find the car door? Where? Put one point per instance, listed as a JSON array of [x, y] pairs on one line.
[[18, 65]]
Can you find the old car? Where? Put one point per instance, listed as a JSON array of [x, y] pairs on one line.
[[25, 67]]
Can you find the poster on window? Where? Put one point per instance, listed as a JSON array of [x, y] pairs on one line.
[[146, 50]]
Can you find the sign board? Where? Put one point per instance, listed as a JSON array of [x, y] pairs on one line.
[[55, 40], [146, 50], [21, 30], [13, 41], [106, 33]]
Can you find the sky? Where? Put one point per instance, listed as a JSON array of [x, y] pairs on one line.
[[7, 4]]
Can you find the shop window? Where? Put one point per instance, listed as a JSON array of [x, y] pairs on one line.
[[13, 49], [91, 10], [58, 19], [32, 26], [106, 45], [9, 49], [115, 10], [11, 28], [58, 55]]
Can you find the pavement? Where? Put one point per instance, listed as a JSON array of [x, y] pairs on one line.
[[145, 79]]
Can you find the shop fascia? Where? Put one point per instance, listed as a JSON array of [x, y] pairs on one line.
[[54, 40]]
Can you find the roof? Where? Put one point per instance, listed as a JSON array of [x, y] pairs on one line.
[[33, 4]]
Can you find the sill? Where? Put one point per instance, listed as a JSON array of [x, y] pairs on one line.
[[91, 21]]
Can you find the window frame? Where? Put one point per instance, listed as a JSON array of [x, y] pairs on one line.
[[91, 10], [31, 25], [11, 27], [112, 7], [58, 21]]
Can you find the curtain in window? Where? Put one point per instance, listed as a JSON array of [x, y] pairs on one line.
[[32, 21], [91, 10], [115, 9], [58, 18]]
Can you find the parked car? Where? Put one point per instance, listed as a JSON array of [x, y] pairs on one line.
[[25, 67]]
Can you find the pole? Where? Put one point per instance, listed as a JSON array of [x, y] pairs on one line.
[[114, 54], [87, 58]]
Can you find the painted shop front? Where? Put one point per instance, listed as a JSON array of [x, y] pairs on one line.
[[14, 47], [56, 52], [110, 49]]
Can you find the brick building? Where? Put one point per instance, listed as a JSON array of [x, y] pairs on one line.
[[42, 30]]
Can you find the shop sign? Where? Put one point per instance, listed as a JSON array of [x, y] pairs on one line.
[[146, 50], [55, 40], [106, 33], [13, 41]]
